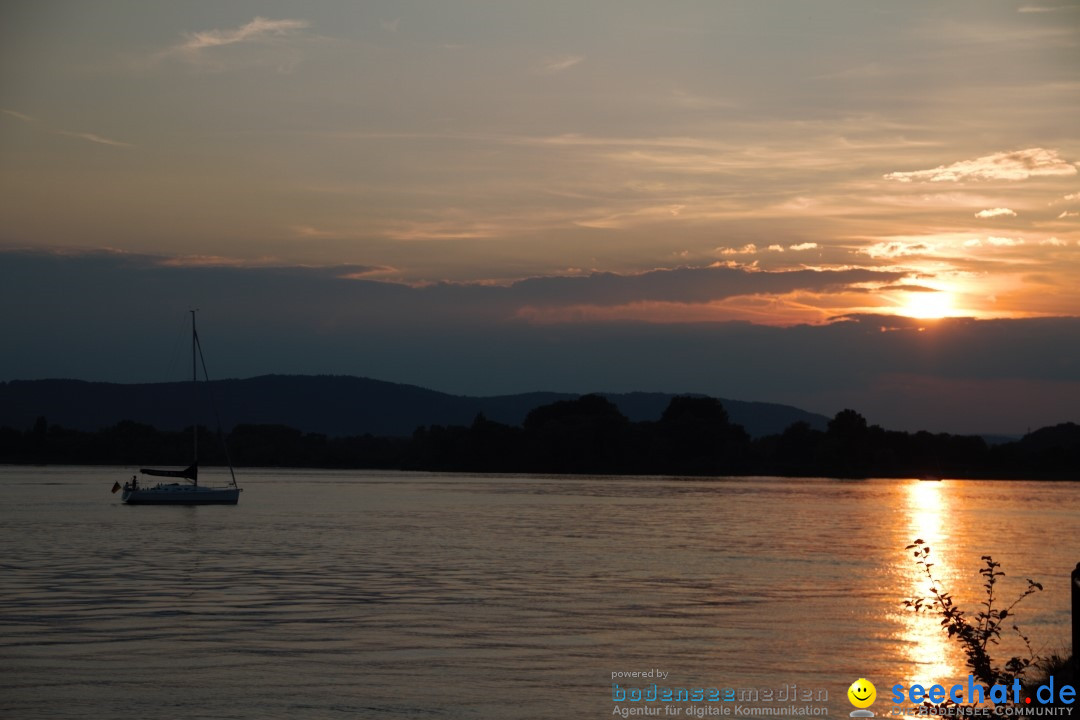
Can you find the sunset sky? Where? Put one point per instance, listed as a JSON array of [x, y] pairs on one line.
[[828, 204]]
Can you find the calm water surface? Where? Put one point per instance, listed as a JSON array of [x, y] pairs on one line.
[[387, 595]]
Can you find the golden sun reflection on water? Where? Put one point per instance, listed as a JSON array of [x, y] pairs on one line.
[[926, 644]]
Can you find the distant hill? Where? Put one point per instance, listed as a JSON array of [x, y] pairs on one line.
[[332, 405]]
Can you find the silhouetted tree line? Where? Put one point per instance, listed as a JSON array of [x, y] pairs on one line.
[[694, 436]]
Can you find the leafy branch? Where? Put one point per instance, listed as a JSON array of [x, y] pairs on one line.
[[975, 634]]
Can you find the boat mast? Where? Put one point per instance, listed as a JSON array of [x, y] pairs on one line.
[[197, 347], [194, 395]]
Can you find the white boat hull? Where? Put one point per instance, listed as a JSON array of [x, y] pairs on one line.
[[177, 494]]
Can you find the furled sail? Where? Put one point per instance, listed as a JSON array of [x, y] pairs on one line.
[[191, 473]]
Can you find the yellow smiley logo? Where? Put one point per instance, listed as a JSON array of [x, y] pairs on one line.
[[862, 693]]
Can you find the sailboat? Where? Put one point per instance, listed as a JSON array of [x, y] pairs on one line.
[[186, 493]]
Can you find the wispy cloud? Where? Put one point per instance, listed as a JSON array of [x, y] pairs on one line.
[[1068, 214], [257, 30], [1016, 165], [748, 249], [19, 115], [944, 250], [449, 229], [803, 246], [90, 137], [896, 248], [209, 261], [312, 232], [265, 39], [552, 66], [1044, 8], [864, 71], [995, 212], [94, 138]]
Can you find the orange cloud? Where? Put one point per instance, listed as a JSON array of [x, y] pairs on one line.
[[995, 212], [1016, 165]]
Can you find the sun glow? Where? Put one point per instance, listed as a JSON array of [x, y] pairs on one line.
[[927, 305]]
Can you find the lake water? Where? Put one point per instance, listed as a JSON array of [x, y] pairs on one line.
[[392, 595]]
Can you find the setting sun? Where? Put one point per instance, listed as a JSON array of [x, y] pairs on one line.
[[927, 305]]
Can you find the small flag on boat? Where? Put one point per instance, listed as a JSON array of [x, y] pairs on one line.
[[115, 487]]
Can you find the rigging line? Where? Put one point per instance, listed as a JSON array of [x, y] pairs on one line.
[[175, 355], [217, 416]]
